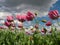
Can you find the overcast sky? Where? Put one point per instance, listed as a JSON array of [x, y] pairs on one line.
[[40, 6]]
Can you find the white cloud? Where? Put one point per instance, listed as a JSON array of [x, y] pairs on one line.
[[4, 14], [2, 21], [16, 21]]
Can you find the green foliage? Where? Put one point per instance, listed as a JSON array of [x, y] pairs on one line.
[[21, 38]]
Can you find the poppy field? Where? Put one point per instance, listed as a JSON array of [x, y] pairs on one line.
[[33, 35]]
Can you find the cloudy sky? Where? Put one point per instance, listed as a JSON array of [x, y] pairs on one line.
[[42, 7], [12, 6]]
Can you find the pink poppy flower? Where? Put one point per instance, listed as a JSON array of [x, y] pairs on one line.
[[30, 16], [20, 25], [21, 18], [8, 24], [9, 18], [48, 23], [54, 14]]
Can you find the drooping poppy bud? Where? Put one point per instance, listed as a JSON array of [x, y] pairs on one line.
[[50, 31], [44, 21], [44, 30], [35, 14]]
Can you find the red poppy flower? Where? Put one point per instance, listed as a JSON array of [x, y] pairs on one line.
[[30, 16], [54, 14], [8, 24], [9, 18], [21, 18], [48, 23]]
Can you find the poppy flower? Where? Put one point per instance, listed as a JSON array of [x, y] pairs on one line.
[[30, 16], [42, 31], [8, 24], [20, 25], [54, 14], [9, 18], [48, 23], [21, 18]]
